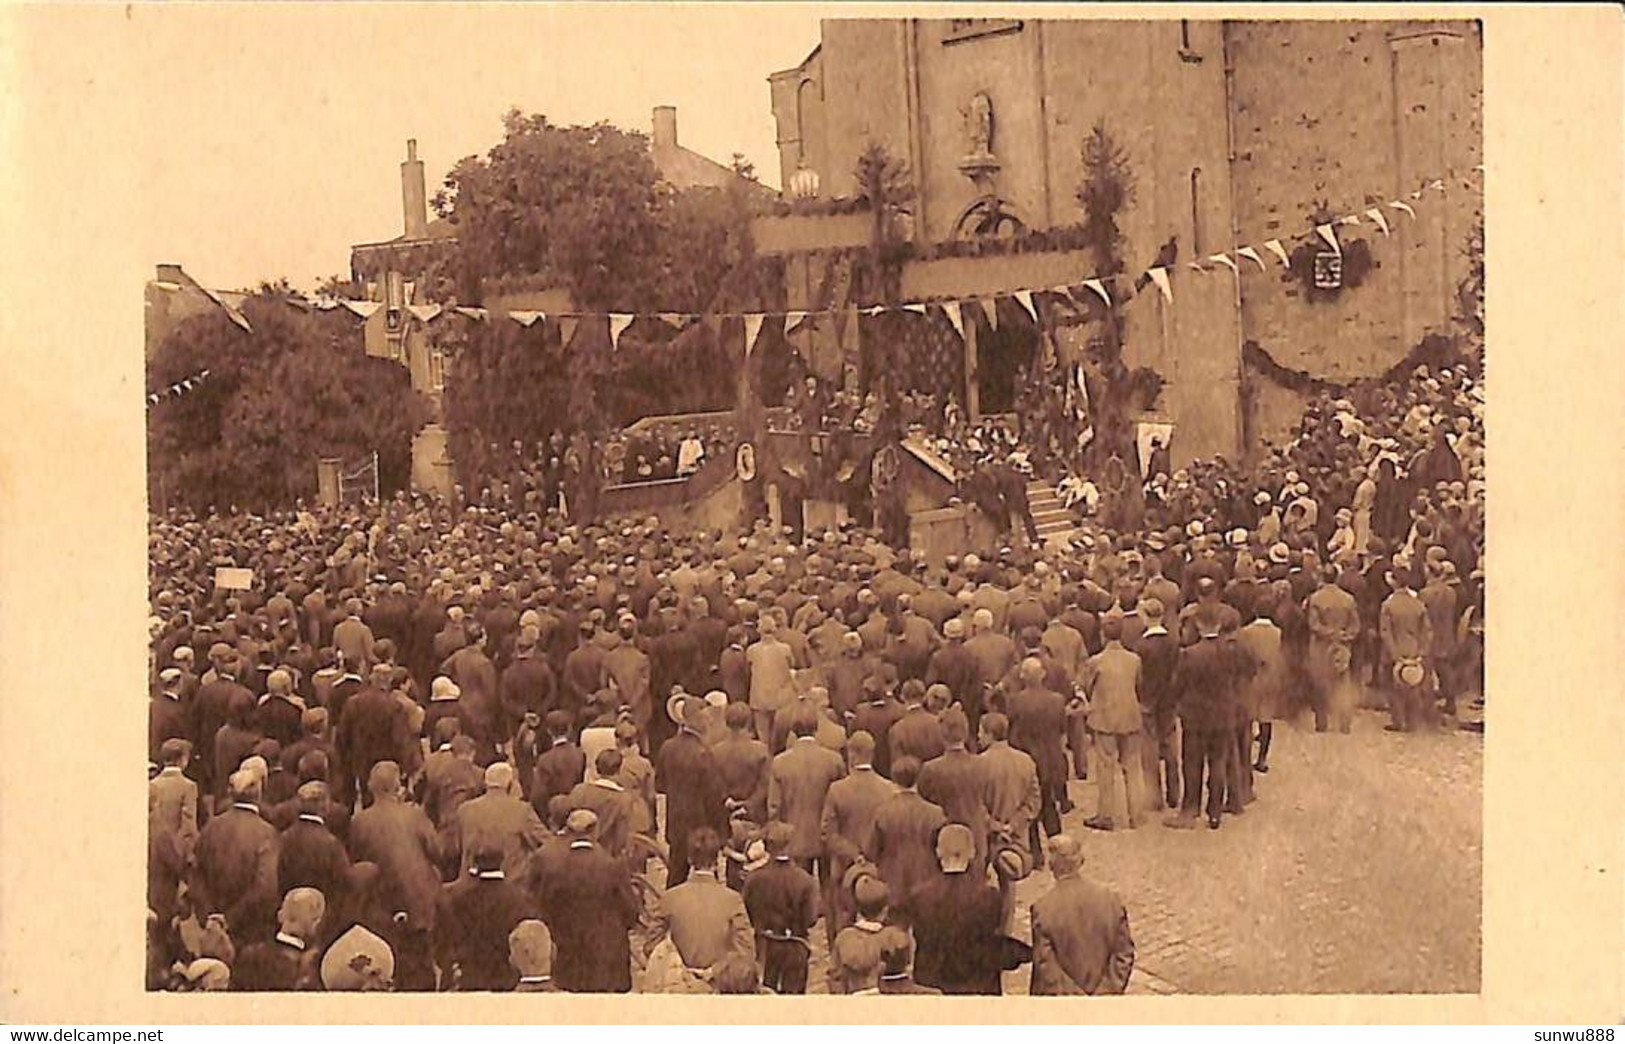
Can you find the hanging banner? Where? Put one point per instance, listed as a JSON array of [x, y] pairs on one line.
[[1159, 276], [1406, 207], [1252, 255], [1274, 246], [1330, 238], [618, 322], [1100, 288], [753, 328], [1224, 259], [526, 318], [1377, 219]]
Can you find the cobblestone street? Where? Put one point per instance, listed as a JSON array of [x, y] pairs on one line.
[[1357, 870]]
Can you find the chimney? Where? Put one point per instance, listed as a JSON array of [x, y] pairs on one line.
[[414, 199], [665, 127]]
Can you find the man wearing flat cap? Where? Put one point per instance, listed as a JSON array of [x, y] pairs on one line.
[[587, 900]]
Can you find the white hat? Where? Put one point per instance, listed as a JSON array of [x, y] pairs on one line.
[[443, 688]]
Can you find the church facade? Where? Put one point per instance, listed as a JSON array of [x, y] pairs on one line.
[[1235, 132]]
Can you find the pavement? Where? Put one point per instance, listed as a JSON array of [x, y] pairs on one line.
[[1356, 870]]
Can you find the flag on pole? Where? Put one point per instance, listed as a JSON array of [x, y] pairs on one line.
[[1377, 219], [1100, 288], [1330, 237], [618, 322], [1224, 259], [1406, 207], [753, 327], [1274, 246], [1159, 276], [1252, 255]]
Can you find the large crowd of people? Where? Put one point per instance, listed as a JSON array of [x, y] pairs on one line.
[[489, 746]]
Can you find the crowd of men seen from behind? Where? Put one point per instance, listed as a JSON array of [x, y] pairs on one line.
[[489, 747]]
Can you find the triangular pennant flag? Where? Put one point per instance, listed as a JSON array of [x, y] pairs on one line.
[[618, 322], [1274, 246], [1406, 207], [1224, 259], [1436, 184], [1330, 237], [1352, 219], [205, 373], [954, 312], [990, 308], [525, 318], [874, 309], [1100, 288], [916, 308], [1025, 299], [1377, 219], [1417, 194], [1159, 276], [365, 309], [753, 327], [1195, 266], [477, 314], [567, 329], [425, 312], [672, 318], [1479, 168], [151, 399]]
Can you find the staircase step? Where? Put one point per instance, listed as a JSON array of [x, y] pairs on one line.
[[1053, 513], [1055, 527]]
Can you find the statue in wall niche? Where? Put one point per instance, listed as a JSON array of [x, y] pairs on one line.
[[979, 125]]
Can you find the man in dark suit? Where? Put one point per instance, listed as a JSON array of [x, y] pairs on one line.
[[956, 919], [210, 710], [1037, 725], [399, 838], [1206, 678], [1159, 656], [586, 898], [288, 961], [528, 686], [371, 729], [279, 713], [236, 869], [918, 733], [560, 767], [743, 765], [953, 665], [1081, 940], [311, 857], [903, 845], [958, 783], [686, 771], [876, 715], [477, 913], [611, 802], [781, 900]]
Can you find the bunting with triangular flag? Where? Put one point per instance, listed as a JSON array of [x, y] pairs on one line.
[[1224, 259], [1025, 299], [1406, 207], [1377, 219], [618, 322], [567, 329], [753, 327], [364, 309], [477, 314], [916, 308], [1252, 255], [1274, 246], [1330, 237], [952, 311], [1159, 276], [1100, 288], [526, 318]]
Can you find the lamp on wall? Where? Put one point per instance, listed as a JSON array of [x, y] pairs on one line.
[[804, 183]]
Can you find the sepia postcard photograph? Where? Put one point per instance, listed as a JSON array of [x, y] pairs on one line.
[[809, 500]]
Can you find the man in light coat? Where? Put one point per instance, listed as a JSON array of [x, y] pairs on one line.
[[1081, 940], [1112, 680]]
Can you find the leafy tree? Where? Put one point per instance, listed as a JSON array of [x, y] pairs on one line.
[[1114, 390], [298, 388]]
